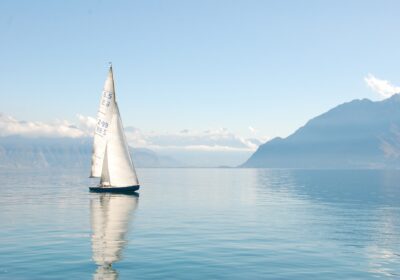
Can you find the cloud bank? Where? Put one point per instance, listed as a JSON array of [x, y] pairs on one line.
[[210, 140], [218, 140], [11, 126], [383, 87]]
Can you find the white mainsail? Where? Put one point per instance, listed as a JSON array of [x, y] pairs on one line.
[[104, 116], [111, 159]]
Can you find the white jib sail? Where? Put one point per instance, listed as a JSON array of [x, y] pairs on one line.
[[121, 172]]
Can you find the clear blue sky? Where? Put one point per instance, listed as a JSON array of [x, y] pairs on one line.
[[198, 65]]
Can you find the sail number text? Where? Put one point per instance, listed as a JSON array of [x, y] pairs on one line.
[[101, 127], [106, 100]]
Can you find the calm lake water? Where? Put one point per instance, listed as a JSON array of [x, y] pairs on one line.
[[202, 224]]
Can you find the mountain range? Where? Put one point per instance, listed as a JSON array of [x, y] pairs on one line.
[[356, 134], [23, 152]]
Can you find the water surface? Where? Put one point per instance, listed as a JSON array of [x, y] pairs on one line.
[[202, 224]]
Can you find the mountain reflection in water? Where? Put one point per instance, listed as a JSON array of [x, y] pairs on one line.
[[111, 215]]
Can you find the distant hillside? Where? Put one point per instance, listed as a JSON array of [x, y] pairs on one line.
[[357, 134], [21, 152]]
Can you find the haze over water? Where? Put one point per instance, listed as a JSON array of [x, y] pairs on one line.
[[202, 224]]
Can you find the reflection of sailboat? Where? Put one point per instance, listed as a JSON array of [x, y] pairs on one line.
[[111, 160], [110, 217], [105, 273]]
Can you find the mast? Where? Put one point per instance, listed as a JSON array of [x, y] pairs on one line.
[[113, 84]]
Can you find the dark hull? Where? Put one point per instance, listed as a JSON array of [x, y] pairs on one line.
[[130, 189]]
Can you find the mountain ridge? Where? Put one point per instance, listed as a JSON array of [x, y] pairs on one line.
[[357, 134]]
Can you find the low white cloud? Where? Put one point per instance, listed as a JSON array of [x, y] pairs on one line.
[[11, 126], [136, 137], [216, 140], [210, 140], [383, 87], [86, 124], [252, 130], [257, 139]]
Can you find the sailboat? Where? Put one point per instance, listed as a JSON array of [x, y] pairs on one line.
[[111, 160]]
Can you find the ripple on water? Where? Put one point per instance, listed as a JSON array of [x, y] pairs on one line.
[[202, 224]]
